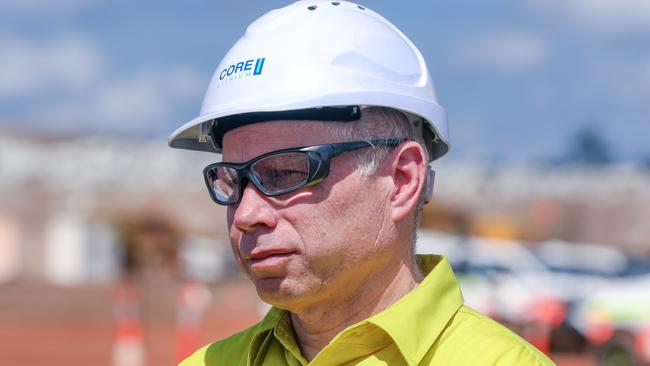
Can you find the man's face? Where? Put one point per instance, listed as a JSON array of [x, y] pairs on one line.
[[317, 244]]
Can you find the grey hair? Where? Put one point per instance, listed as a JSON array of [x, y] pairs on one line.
[[375, 123], [380, 123]]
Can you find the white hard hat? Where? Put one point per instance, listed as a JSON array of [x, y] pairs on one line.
[[318, 60]]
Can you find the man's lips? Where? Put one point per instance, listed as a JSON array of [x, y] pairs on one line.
[[268, 259], [260, 254]]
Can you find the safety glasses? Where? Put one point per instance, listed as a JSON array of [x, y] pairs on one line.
[[279, 172]]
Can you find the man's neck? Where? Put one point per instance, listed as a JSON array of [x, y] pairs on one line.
[[316, 326]]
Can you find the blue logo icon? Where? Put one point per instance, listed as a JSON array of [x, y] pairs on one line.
[[243, 69]]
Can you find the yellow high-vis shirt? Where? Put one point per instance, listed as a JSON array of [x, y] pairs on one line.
[[428, 326]]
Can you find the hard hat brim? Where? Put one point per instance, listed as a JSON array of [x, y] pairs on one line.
[[195, 134]]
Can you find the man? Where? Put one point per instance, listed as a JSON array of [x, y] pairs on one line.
[[327, 120]]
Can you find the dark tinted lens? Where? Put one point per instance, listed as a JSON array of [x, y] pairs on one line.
[[281, 172], [223, 181]]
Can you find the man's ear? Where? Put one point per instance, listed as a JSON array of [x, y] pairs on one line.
[[408, 173]]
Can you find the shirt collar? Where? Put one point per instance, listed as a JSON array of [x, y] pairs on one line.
[[414, 322]]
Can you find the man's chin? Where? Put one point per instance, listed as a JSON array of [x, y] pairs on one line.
[[277, 291]]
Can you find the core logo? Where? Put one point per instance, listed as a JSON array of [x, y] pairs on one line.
[[242, 69]]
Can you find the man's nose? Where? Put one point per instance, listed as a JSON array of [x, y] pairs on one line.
[[253, 210]]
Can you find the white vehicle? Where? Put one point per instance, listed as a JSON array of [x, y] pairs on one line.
[[554, 269], [616, 321], [500, 278], [547, 285]]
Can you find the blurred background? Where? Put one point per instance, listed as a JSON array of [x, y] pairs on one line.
[[111, 252]]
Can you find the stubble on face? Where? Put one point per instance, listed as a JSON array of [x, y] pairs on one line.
[[331, 233]]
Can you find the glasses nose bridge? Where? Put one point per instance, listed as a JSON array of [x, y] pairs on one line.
[[247, 176], [253, 208], [250, 199]]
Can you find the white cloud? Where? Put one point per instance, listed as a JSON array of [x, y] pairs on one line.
[[69, 84], [129, 104], [185, 82], [504, 51], [31, 67], [135, 99], [598, 16], [146, 97]]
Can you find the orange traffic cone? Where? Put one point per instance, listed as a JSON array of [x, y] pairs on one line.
[[193, 300], [128, 347]]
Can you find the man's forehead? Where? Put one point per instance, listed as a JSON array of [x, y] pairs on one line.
[[246, 142]]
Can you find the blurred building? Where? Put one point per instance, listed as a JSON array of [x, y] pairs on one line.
[[116, 242], [64, 198]]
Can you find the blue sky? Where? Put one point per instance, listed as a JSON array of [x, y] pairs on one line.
[[518, 77]]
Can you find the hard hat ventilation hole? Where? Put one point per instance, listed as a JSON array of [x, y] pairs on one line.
[[335, 3], [313, 7], [361, 7]]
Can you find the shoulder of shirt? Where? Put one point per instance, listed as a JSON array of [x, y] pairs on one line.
[[228, 351], [503, 346]]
